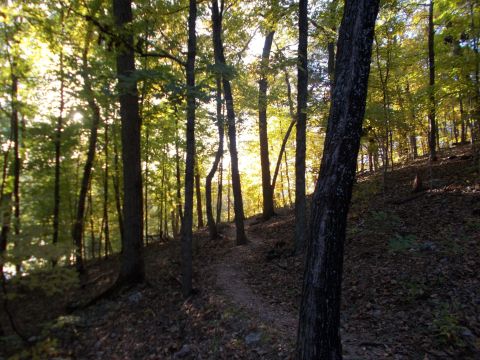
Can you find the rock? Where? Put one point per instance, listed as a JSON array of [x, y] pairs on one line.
[[183, 352], [253, 338], [135, 297]]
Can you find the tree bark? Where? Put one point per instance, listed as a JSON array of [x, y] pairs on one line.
[[132, 266], [318, 333], [267, 190], [198, 196], [463, 133], [302, 94], [212, 226], [145, 201], [432, 138], [105, 194], [77, 232], [287, 134], [220, 192], [116, 184], [16, 155], [190, 161], [58, 142], [179, 211], [241, 238]]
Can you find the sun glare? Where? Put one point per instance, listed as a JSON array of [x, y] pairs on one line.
[[77, 116]]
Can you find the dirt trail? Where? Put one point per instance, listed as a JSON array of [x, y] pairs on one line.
[[231, 280]]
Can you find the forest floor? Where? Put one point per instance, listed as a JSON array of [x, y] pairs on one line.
[[411, 286]]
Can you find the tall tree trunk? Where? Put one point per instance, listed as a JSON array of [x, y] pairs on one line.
[[5, 208], [212, 227], [58, 142], [217, 15], [220, 192], [413, 147], [145, 201], [162, 202], [105, 194], [289, 191], [287, 134], [474, 31], [190, 161], [116, 183], [78, 230], [198, 196], [318, 332], [92, 230], [302, 94], [229, 190], [463, 134], [132, 266], [267, 190], [179, 211], [16, 155], [432, 138]]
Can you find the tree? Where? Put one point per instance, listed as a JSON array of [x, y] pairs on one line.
[[190, 161], [212, 226], [318, 332], [432, 138], [217, 15], [132, 267], [267, 189], [302, 95], [77, 232], [58, 140]]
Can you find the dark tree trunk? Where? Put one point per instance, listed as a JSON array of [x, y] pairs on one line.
[[198, 196], [78, 230], [229, 190], [105, 194], [16, 156], [190, 161], [5, 208], [289, 191], [287, 134], [302, 94], [212, 226], [145, 201], [413, 147], [318, 333], [220, 192], [432, 138], [163, 205], [179, 212], [132, 266], [463, 133], [92, 228], [267, 190], [241, 238], [116, 184], [474, 30], [58, 142]]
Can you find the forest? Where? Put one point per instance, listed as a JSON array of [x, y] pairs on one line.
[[226, 179]]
